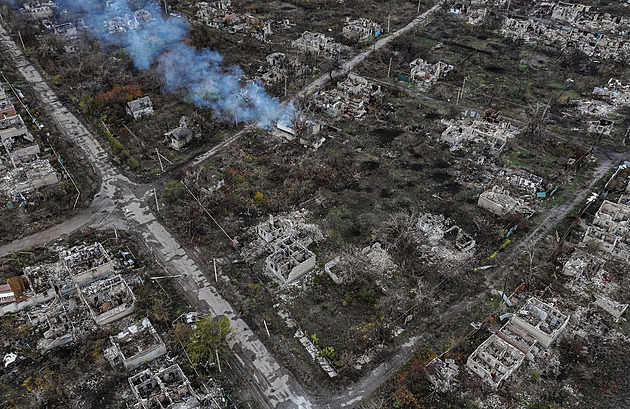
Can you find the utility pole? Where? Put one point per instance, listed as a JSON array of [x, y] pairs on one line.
[[157, 205], [218, 361], [216, 276], [389, 69], [418, 6], [460, 94], [22, 41], [388, 19], [285, 85], [159, 159]]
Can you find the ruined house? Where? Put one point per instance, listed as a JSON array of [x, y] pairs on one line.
[[536, 323], [442, 374], [290, 260], [523, 180], [501, 203], [6, 107], [425, 74], [132, 347], [612, 307], [13, 127], [67, 30], [140, 107], [37, 10], [20, 181], [495, 360], [319, 44], [362, 30], [165, 388], [108, 298], [86, 262], [491, 134], [609, 229], [179, 137], [352, 97], [6, 294], [582, 264], [601, 126], [593, 44], [614, 92], [273, 228], [569, 12], [542, 321]]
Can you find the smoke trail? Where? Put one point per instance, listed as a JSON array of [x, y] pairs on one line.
[[199, 72]]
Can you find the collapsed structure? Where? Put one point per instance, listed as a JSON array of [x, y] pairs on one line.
[[22, 171], [319, 44], [132, 347], [425, 74], [66, 298], [351, 97], [287, 239], [483, 134], [499, 202], [536, 323], [593, 44], [168, 388], [362, 30], [609, 229]]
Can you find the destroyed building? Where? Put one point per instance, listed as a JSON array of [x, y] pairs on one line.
[[614, 92], [27, 178], [165, 388], [319, 44], [582, 264], [609, 229], [351, 97], [13, 127], [108, 298], [536, 323], [612, 307], [425, 74], [601, 126], [501, 203], [179, 137], [522, 180], [442, 374], [86, 262], [542, 321], [141, 107], [290, 260], [362, 30], [488, 134], [6, 107], [57, 318], [286, 239], [37, 10], [495, 360], [569, 12], [273, 228], [6, 294], [132, 347], [593, 44]]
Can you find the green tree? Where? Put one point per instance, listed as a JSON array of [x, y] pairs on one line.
[[209, 336]]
